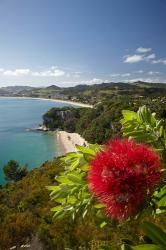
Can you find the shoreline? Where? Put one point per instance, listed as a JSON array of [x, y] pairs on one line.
[[67, 141], [49, 99]]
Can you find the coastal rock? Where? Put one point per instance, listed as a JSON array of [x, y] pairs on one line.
[[55, 118]]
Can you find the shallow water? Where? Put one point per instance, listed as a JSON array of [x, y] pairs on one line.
[[32, 148]]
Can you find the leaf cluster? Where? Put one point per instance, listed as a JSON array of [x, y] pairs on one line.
[[71, 193]]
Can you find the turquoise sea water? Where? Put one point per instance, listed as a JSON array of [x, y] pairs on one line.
[[32, 148]]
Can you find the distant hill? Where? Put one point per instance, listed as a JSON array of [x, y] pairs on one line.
[[148, 84], [88, 93], [53, 87], [16, 89], [3, 92]]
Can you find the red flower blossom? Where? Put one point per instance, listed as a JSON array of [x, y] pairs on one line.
[[123, 175]]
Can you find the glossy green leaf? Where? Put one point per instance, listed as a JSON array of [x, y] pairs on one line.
[[57, 208], [63, 179], [86, 150], [103, 224], [99, 205], [148, 247], [155, 233], [129, 115], [126, 247]]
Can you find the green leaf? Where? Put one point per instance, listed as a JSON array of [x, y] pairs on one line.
[[75, 178], [129, 115], [156, 234], [61, 200], [58, 214], [84, 213], [85, 167], [53, 188], [126, 247], [148, 247], [86, 150], [99, 205], [71, 200], [63, 179], [106, 248], [103, 224], [95, 147], [160, 194], [74, 164], [57, 208], [159, 198]]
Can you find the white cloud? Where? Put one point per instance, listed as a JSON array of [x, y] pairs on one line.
[[48, 73], [76, 74], [120, 75], [139, 72], [93, 81], [88, 82], [52, 72], [1, 69], [154, 80], [134, 58], [143, 56], [153, 73], [126, 74], [138, 58], [152, 56], [143, 50], [162, 61], [16, 72], [114, 75]]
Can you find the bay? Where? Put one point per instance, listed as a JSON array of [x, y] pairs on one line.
[[17, 115]]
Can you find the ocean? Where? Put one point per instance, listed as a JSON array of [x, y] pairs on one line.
[[17, 115]]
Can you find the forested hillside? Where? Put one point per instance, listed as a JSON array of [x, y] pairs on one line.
[[89, 94], [102, 122], [25, 206]]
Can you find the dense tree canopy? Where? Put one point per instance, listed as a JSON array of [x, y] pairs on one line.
[[14, 172]]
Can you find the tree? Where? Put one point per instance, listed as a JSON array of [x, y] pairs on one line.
[[14, 172]]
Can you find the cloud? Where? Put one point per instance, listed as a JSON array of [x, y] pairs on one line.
[[139, 72], [76, 74], [88, 82], [126, 74], [162, 61], [152, 56], [138, 58], [52, 72], [93, 81], [142, 56], [120, 75], [134, 58], [154, 80], [143, 50], [48, 73], [153, 73], [17, 72], [114, 75]]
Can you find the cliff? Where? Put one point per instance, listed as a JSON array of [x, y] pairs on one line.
[[57, 118]]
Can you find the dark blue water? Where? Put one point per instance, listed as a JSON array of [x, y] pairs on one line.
[[32, 148]]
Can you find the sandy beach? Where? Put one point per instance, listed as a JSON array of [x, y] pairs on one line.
[[53, 100], [67, 141]]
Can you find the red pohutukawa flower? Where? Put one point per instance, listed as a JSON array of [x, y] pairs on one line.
[[123, 175]]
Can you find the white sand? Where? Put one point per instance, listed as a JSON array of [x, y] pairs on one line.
[[53, 100], [67, 142]]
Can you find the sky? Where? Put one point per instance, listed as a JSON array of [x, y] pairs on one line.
[[70, 42]]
